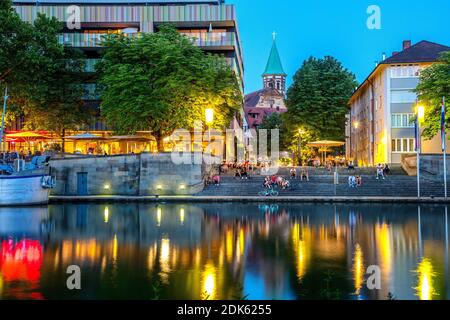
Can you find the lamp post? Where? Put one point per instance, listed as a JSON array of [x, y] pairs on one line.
[[209, 119], [300, 132], [420, 112], [356, 125]]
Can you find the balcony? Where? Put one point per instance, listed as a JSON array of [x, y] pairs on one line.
[[213, 39], [81, 40]]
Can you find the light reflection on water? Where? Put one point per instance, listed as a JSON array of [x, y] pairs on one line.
[[224, 251]]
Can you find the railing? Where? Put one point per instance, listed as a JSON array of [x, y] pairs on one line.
[[214, 39]]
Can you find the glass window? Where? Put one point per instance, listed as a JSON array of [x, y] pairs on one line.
[[403, 96], [411, 145], [393, 146]]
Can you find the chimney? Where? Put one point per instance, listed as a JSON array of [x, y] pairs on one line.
[[406, 44], [384, 56]]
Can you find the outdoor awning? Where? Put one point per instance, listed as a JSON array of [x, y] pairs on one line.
[[26, 135], [86, 137], [325, 144], [130, 138]]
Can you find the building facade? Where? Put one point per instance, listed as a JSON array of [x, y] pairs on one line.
[[211, 24], [270, 99], [379, 127]]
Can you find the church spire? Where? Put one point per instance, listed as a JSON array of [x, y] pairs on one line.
[[274, 75]]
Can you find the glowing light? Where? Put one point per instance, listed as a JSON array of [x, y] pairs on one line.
[[383, 235], [182, 186], [107, 187], [158, 217], [229, 245], [159, 187], [115, 247], [356, 124], [425, 275], [420, 113], [209, 282], [106, 214], [182, 215], [165, 250], [358, 268], [299, 237], [209, 116]]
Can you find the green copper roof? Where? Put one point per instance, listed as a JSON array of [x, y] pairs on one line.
[[274, 63]]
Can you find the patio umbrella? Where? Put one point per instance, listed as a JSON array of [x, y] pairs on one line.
[[25, 136], [86, 136], [325, 144]]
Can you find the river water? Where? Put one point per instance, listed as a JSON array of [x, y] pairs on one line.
[[225, 251]]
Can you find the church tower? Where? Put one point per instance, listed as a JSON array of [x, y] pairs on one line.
[[274, 75]]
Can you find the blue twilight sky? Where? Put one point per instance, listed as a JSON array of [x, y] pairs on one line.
[[336, 28]]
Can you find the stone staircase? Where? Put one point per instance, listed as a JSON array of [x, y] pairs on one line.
[[320, 184]]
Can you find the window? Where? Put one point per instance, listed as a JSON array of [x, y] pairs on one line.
[[402, 120], [403, 145], [405, 71], [403, 96]]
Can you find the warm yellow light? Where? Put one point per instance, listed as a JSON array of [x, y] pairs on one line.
[[356, 124], [107, 187], [420, 113], [182, 215], [358, 269], [158, 216], [301, 131], [159, 187], [209, 282], [209, 116], [115, 247], [106, 214], [182, 186], [425, 275]]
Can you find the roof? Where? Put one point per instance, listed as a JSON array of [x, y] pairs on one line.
[[251, 100], [261, 112], [274, 65], [421, 52]]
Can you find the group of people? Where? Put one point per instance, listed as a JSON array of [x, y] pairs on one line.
[[276, 181], [354, 181], [304, 173], [9, 157], [383, 171]]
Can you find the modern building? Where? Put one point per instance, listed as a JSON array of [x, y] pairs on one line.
[[270, 99], [379, 127], [211, 24]]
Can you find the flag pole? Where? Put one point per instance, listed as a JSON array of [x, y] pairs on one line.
[[2, 129], [444, 145]]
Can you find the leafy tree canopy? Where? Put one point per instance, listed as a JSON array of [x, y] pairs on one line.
[[435, 84], [317, 101], [161, 82]]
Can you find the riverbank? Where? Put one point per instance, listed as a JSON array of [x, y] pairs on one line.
[[318, 199]]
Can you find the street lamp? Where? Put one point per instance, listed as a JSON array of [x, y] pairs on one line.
[[300, 132], [209, 119], [420, 113], [356, 125]]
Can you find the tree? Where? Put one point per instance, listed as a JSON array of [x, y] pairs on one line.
[[317, 101], [435, 84], [161, 82], [44, 77], [56, 99]]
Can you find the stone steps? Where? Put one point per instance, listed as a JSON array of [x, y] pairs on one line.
[[400, 186]]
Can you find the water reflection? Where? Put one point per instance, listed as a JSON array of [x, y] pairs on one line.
[[224, 251]]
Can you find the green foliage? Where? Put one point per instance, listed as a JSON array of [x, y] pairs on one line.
[[318, 98], [43, 77], [161, 82], [435, 84]]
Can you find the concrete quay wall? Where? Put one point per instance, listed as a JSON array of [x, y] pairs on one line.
[[145, 174]]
